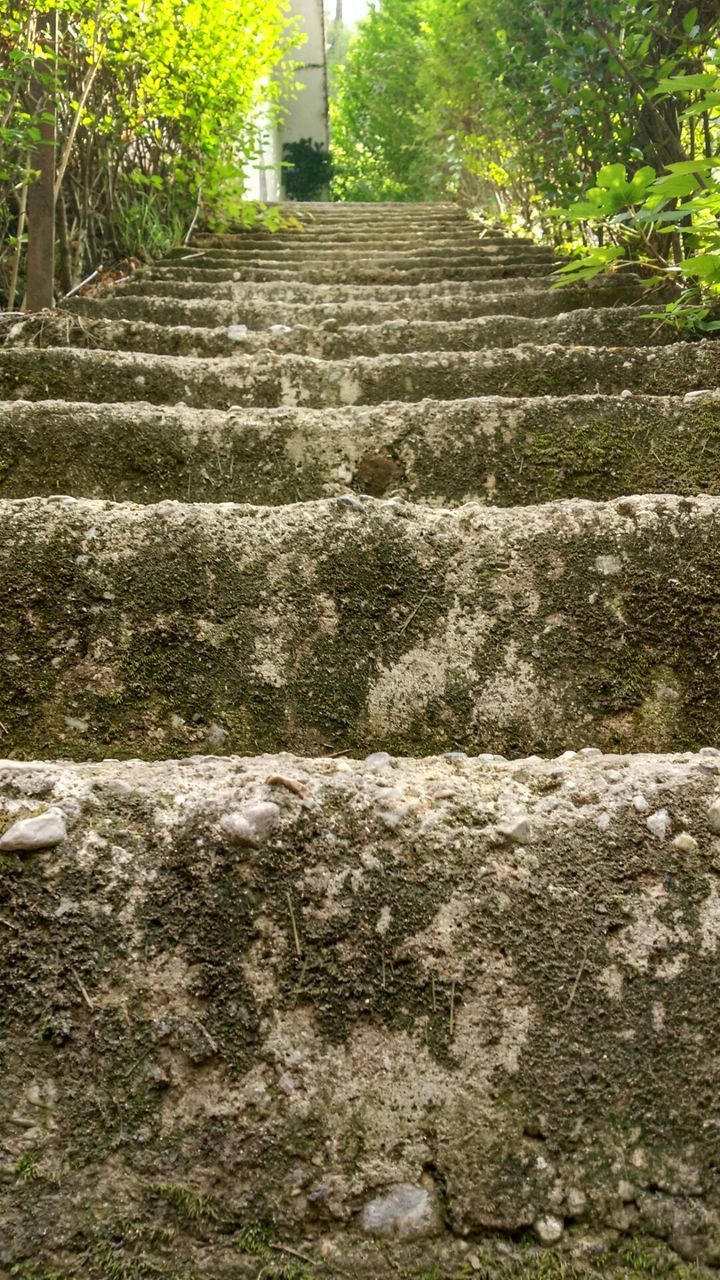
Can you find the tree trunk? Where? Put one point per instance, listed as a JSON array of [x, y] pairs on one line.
[[41, 193]]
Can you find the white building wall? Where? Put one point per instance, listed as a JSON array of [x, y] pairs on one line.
[[306, 112]]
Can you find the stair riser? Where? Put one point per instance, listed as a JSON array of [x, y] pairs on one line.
[[356, 244], [194, 312], [588, 327], [474, 255], [134, 631], [385, 979], [382, 241], [287, 291], [503, 453], [296, 381], [353, 273]]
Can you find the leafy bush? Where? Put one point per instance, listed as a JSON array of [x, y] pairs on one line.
[[664, 224], [307, 169], [516, 107], [160, 105]]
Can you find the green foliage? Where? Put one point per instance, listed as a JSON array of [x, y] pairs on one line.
[[596, 125], [160, 106], [27, 1169], [661, 224], [515, 107], [308, 169], [377, 116]]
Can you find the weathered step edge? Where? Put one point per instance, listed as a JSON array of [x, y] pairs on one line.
[[357, 625], [365, 1003], [259, 314], [626, 327], [505, 452], [270, 380]]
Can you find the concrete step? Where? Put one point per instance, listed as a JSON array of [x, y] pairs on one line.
[[273, 380], [357, 625], [591, 326], [400, 966], [377, 216], [260, 314], [308, 293], [384, 239], [352, 273], [502, 452], [420, 255]]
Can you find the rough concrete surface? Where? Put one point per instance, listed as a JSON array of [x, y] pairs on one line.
[[358, 624], [495, 450], [369, 485], [444, 996]]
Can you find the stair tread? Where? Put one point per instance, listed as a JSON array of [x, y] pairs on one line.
[[498, 450], [627, 326], [259, 314], [271, 379], [360, 625]]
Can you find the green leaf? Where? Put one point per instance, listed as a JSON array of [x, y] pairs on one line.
[[706, 267], [682, 84], [611, 176]]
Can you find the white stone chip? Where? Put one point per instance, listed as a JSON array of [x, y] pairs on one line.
[[253, 826], [685, 843], [549, 1229], [714, 816], [405, 1212], [659, 823], [237, 332], [518, 830], [42, 832]]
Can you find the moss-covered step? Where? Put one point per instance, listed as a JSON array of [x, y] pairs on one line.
[[352, 273], [368, 1012], [359, 625], [269, 379], [381, 240], [602, 327], [209, 312], [286, 291], [475, 254], [496, 451], [344, 237]]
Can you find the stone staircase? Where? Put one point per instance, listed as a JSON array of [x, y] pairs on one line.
[[359, 571]]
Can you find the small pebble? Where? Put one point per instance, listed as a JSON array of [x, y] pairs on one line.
[[253, 826], [378, 760], [659, 823], [714, 816], [43, 832], [518, 830], [685, 843], [406, 1212], [549, 1229]]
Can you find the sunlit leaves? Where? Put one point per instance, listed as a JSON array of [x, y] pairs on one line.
[[157, 100]]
